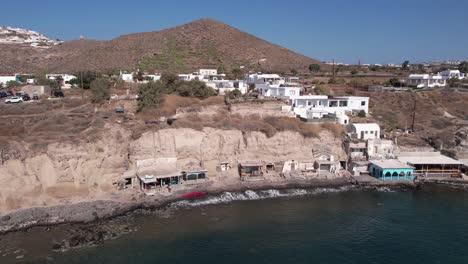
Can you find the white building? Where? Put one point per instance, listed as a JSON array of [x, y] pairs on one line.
[[364, 131], [63, 78], [190, 77], [269, 90], [292, 81], [126, 77], [152, 77], [380, 149], [272, 79], [208, 72], [223, 86], [272, 85], [449, 74], [317, 106], [426, 80], [5, 79]]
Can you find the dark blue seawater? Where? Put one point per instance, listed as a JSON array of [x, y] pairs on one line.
[[350, 226]]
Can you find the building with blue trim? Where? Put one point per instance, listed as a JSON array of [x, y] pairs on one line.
[[391, 170]]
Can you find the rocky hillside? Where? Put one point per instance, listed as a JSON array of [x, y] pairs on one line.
[[202, 43], [9, 35]]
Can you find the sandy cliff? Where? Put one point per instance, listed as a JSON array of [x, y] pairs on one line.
[[67, 173]]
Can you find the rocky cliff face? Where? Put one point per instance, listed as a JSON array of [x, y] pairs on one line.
[[64, 173]]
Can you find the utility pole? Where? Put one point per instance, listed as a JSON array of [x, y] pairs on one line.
[[82, 88], [333, 63], [414, 114]]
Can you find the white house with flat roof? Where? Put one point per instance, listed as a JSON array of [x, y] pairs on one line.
[[426, 80], [223, 86], [5, 79], [269, 90], [316, 106], [449, 74], [272, 79], [64, 79], [126, 77], [208, 72], [364, 131], [273, 85]]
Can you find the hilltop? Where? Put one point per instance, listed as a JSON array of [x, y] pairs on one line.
[[10, 35], [199, 44]]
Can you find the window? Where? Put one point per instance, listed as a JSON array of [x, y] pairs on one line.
[[343, 103], [367, 132], [363, 103], [309, 103]]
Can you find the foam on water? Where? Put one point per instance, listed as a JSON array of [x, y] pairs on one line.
[[251, 195]]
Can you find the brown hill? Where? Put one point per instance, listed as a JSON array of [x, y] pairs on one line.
[[202, 43]]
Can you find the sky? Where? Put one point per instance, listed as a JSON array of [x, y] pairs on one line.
[[369, 31]]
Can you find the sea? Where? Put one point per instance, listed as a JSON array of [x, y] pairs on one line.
[[324, 225]]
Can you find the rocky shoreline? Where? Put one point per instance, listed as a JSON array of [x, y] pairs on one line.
[[100, 210], [103, 210]]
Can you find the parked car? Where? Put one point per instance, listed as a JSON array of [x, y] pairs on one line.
[[9, 93], [3, 94], [114, 96], [26, 97], [14, 100], [19, 94], [59, 94]]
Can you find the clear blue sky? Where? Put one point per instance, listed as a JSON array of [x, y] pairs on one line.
[[374, 31]]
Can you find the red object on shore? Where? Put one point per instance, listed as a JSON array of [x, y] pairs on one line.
[[196, 194]]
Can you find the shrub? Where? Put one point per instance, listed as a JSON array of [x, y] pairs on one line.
[[150, 95], [100, 90], [362, 113], [321, 90], [194, 88]]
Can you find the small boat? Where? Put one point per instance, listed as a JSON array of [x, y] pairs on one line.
[[195, 194]]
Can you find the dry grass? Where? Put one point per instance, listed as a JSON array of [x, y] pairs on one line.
[[174, 102], [268, 125]]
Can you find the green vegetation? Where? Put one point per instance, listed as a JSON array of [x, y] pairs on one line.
[[194, 89], [84, 79], [171, 59], [100, 90], [336, 81], [395, 82], [221, 69], [294, 71], [354, 71], [233, 94], [362, 113], [405, 65], [314, 67], [150, 95], [463, 67], [421, 68], [237, 73], [11, 84], [321, 90]]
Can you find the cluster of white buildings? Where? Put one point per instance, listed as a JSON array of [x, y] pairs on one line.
[[371, 154], [210, 77], [434, 80], [273, 85]]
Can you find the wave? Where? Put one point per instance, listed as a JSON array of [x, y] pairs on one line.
[[250, 195]]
